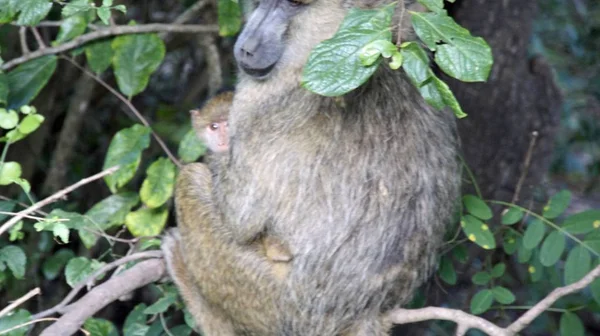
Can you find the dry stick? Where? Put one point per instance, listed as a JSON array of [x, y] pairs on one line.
[[130, 106], [140, 275], [23, 39], [526, 164], [467, 321], [38, 38], [62, 306], [399, 38], [111, 31], [6, 331], [19, 301], [6, 226]]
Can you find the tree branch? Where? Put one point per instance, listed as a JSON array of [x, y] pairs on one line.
[[110, 31], [19, 301], [6, 226], [140, 275]]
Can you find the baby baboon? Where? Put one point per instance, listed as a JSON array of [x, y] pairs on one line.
[[360, 192]]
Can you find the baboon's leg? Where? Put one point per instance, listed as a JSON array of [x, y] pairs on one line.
[[211, 321], [230, 278]]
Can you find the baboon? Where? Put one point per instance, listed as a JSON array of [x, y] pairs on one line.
[[360, 192]]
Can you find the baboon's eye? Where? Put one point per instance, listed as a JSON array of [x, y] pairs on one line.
[[295, 3], [214, 126]]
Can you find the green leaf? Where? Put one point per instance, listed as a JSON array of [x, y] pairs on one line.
[[14, 319], [104, 15], [32, 11], [107, 213], [6, 206], [509, 242], [147, 222], [536, 269], [75, 7], [512, 216], [3, 82], [100, 327], [190, 147], [14, 258], [80, 268], [498, 270], [30, 123], [447, 272], [595, 289], [334, 67], [136, 57], [534, 234], [135, 323], [416, 63], [523, 254], [8, 10], [481, 278], [71, 27], [478, 232], [582, 222], [9, 172], [477, 207], [593, 241], [578, 264], [557, 204], [53, 265], [552, 248], [460, 253], [26, 80], [461, 55], [162, 305], [99, 55], [433, 5], [159, 183], [370, 53], [125, 150], [146, 244], [503, 295], [482, 301], [447, 96], [8, 119], [571, 325], [230, 17]]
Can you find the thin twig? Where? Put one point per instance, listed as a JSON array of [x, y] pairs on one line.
[[31, 217], [130, 106], [19, 301], [62, 306], [38, 38], [56, 196], [399, 37], [111, 31], [6, 331], [23, 39], [526, 165], [22, 205]]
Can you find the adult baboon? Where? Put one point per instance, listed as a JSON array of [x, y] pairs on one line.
[[360, 192]]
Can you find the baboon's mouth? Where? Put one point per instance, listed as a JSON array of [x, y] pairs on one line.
[[257, 73]]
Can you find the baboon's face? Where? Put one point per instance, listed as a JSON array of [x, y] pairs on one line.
[[284, 32]]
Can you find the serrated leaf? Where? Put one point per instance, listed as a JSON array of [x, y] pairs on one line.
[[482, 301], [8, 10], [571, 325], [229, 16], [416, 63], [135, 323], [147, 222], [8, 119], [53, 265], [552, 248], [334, 67], [75, 7], [503, 295], [3, 83], [162, 304], [15, 259], [461, 55], [14, 319], [512, 216], [498, 270], [582, 222], [477, 207], [9, 172], [104, 15], [30, 123], [32, 11], [125, 150], [447, 272], [26, 80], [481, 278], [578, 264], [557, 204], [99, 55], [72, 27], [447, 96], [190, 147], [478, 232], [158, 186], [135, 58], [80, 268], [100, 327], [433, 5], [534, 234]]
